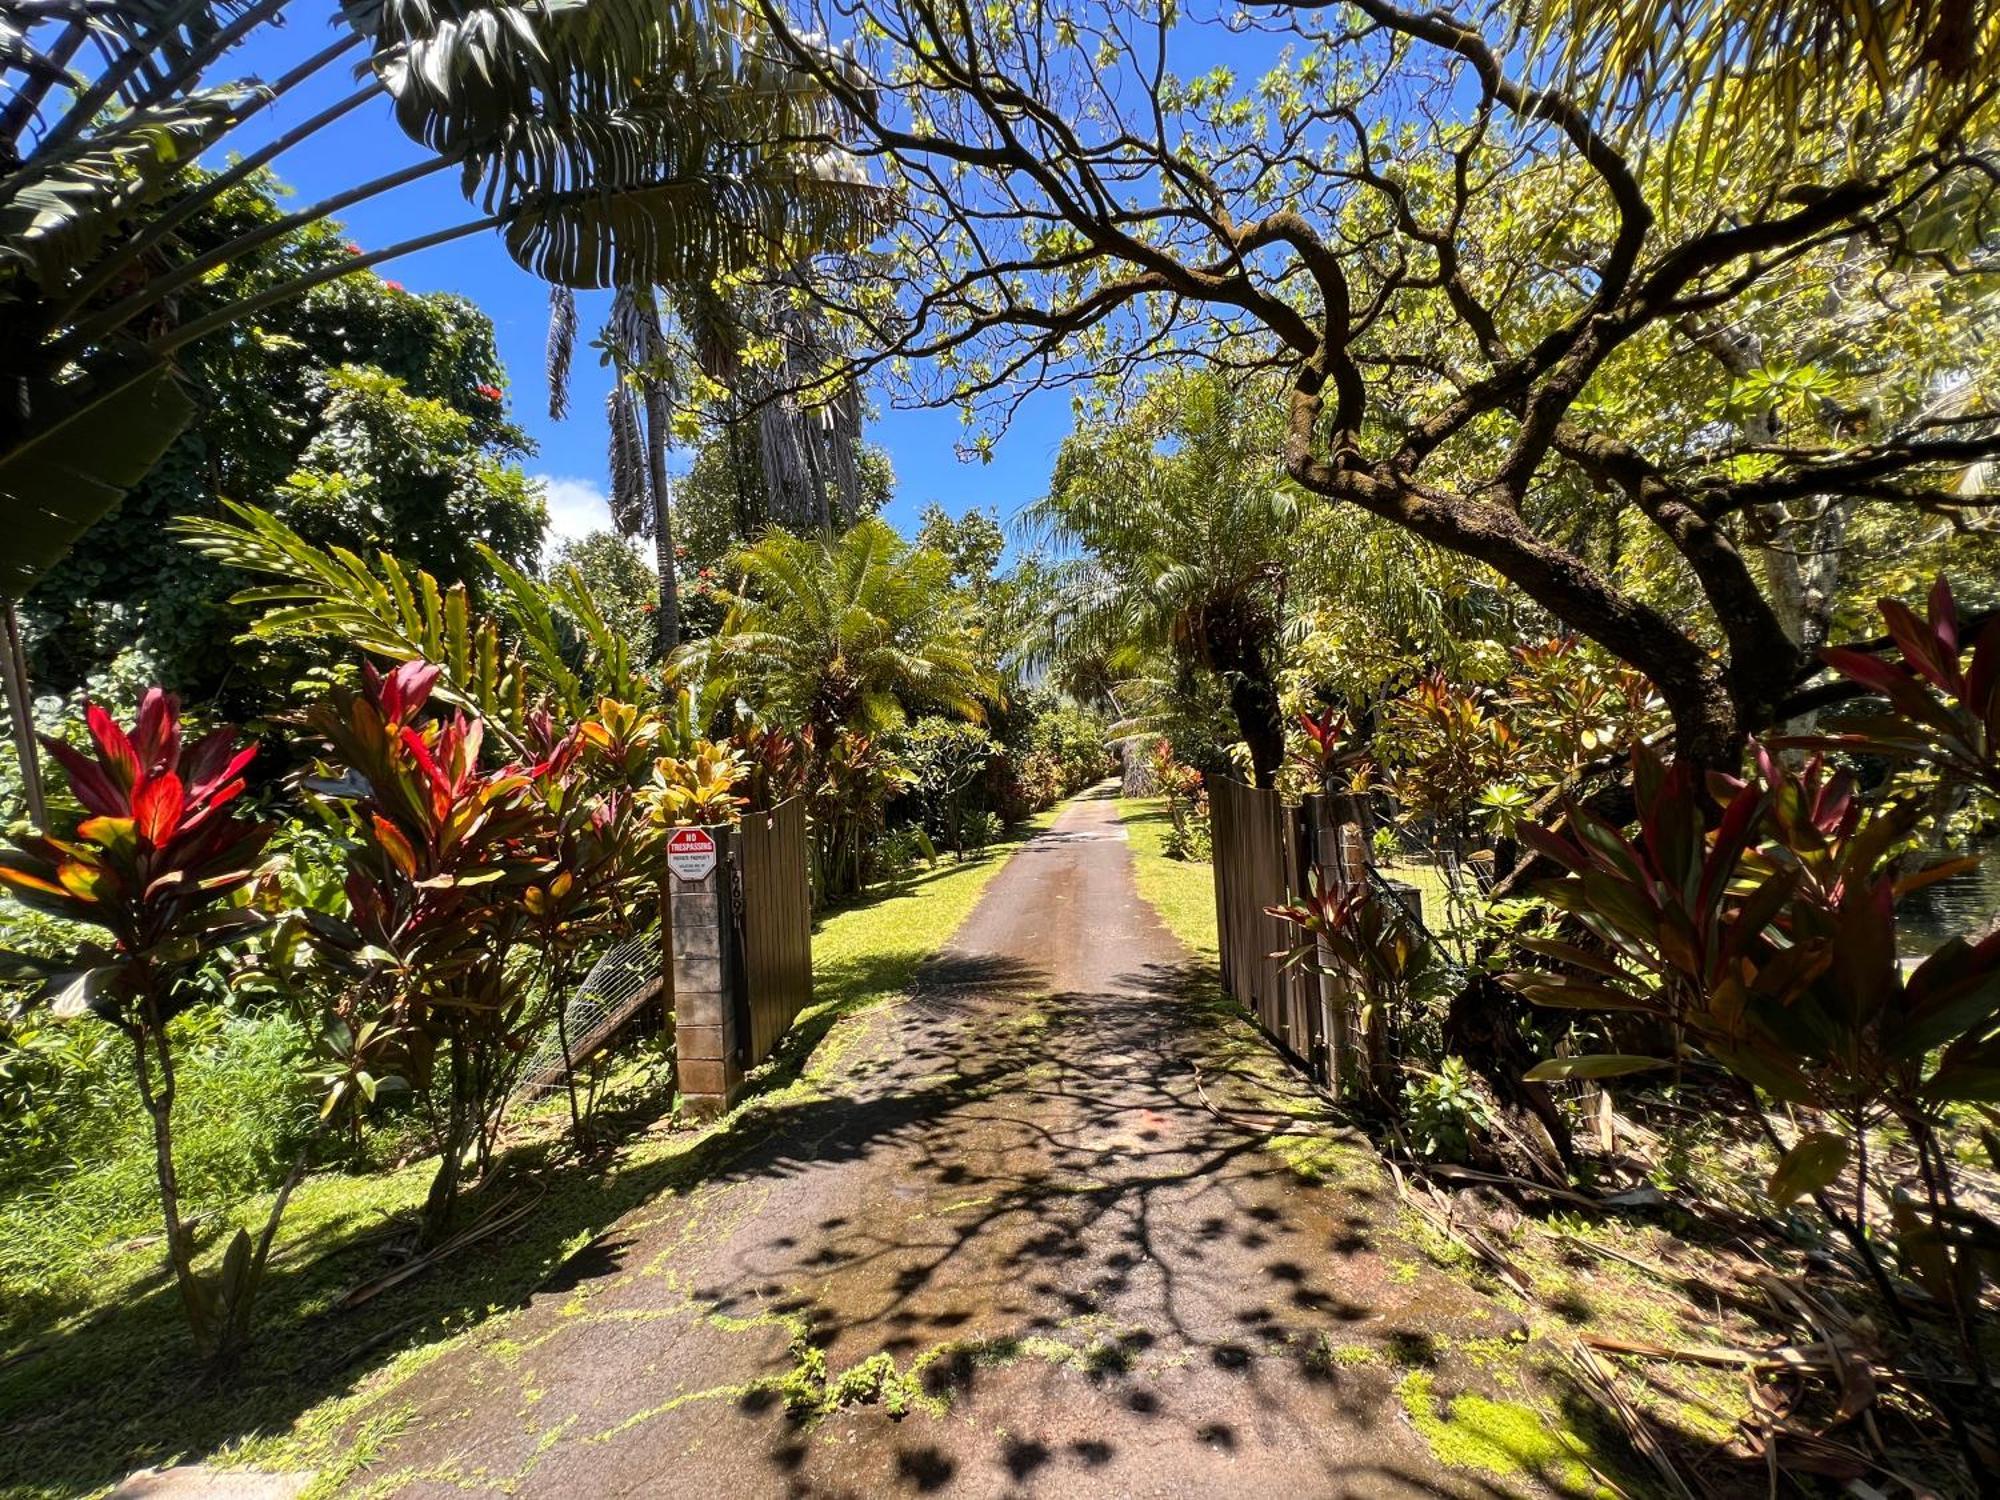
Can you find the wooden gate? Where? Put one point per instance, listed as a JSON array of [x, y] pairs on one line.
[[1264, 853], [775, 925], [1260, 861]]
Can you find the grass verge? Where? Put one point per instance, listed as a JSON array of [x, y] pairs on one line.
[[1181, 891], [112, 1386]]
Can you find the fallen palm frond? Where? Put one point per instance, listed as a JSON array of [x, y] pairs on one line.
[[1597, 1383], [504, 1215]]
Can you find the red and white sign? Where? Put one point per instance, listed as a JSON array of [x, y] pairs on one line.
[[691, 853]]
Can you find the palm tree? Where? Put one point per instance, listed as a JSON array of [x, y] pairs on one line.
[[608, 142], [845, 632], [808, 451], [639, 413], [1897, 77], [1186, 551]]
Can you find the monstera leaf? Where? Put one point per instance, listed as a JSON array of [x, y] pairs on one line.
[[90, 442]]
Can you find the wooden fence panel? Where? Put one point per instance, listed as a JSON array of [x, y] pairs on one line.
[[1254, 851], [1265, 853], [776, 918]]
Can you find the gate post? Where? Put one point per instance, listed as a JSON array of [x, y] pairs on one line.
[[702, 963]]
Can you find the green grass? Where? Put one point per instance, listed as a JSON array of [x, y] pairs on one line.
[[1181, 891], [111, 1386], [1429, 881]]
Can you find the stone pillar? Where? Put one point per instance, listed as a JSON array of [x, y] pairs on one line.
[[708, 1039]]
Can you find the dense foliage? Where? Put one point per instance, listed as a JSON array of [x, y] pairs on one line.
[[361, 414], [1524, 434]]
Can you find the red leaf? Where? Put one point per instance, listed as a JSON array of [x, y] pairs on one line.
[[209, 762], [114, 748], [156, 808], [1944, 617], [399, 849], [95, 790], [1869, 671], [407, 689], [157, 736], [228, 781], [1920, 646]]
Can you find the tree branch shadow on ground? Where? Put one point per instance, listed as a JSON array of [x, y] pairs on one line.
[[1001, 1099]]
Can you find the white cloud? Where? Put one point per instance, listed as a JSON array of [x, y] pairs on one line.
[[577, 507]]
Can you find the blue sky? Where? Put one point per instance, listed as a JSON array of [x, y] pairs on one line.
[[367, 144]]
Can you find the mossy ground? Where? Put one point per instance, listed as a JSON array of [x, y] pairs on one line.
[[112, 1386], [1507, 1438]]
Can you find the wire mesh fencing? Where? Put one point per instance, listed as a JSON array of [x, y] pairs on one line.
[[617, 986]]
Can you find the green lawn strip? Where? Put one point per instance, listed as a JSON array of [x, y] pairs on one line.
[[1181, 891], [113, 1387]]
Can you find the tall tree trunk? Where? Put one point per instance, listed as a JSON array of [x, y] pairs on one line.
[[1253, 698], [667, 621]]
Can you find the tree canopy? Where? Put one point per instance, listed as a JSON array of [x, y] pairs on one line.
[[1455, 264]]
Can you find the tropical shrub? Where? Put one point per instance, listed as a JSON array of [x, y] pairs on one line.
[[947, 760], [699, 787], [1073, 742], [1941, 710], [1187, 804], [154, 863], [1376, 955], [1443, 745], [901, 850], [1768, 945], [1326, 748], [1445, 1110], [596, 877], [859, 776], [440, 865], [1570, 707]]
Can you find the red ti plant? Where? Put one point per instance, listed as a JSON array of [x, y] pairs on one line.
[[1768, 944], [1328, 748], [1181, 784], [440, 858], [778, 762], [154, 862], [1942, 709], [595, 873], [1374, 952]]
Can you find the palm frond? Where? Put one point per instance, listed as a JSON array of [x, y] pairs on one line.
[[389, 610], [623, 142], [631, 482], [561, 347], [1720, 75]]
